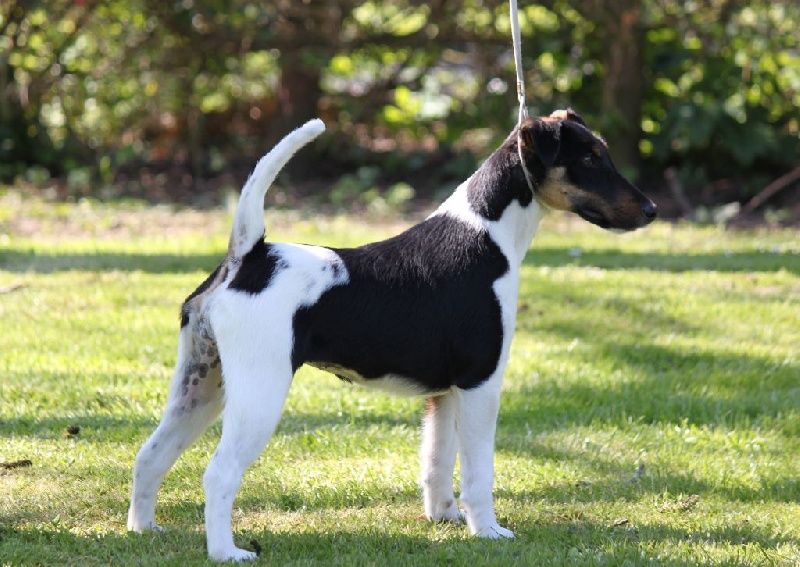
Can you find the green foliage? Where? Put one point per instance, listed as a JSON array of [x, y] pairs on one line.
[[360, 188], [399, 194], [102, 84], [674, 348], [721, 103], [349, 187]]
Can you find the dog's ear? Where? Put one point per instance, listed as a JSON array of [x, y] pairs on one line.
[[575, 117], [568, 114], [542, 137]]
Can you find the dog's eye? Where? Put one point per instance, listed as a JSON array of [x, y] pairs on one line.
[[589, 160]]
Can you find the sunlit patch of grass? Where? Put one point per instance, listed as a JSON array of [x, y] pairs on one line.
[[651, 411]]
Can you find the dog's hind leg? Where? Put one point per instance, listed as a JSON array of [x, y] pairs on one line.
[[256, 385], [439, 443], [194, 401]]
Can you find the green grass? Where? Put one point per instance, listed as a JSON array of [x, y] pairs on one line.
[[675, 348]]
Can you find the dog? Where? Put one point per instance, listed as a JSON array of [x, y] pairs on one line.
[[429, 312]]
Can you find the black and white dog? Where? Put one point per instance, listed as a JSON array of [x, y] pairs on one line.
[[430, 312]]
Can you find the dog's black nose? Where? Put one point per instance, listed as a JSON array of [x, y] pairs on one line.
[[650, 210]]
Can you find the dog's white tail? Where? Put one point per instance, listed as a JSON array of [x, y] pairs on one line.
[[248, 223]]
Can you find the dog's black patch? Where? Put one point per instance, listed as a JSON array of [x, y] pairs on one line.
[[336, 269], [258, 268], [200, 289], [499, 181], [419, 305]]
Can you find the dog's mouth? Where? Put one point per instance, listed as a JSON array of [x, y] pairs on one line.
[[617, 223], [593, 216]]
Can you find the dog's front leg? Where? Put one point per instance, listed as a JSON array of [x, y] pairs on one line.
[[476, 423], [439, 445]]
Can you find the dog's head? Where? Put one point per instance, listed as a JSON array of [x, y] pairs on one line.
[[575, 173]]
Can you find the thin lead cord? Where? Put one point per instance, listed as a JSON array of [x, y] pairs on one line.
[[515, 36], [523, 109]]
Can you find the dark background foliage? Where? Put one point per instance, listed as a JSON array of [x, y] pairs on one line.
[[168, 100]]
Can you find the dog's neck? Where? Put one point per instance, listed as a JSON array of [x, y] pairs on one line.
[[497, 199]]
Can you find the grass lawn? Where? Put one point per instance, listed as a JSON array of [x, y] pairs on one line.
[[672, 352]]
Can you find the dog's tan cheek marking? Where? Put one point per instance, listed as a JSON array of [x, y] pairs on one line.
[[555, 190]]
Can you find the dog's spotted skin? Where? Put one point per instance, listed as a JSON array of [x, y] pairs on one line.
[[430, 311]]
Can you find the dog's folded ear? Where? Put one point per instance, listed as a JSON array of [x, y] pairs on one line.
[[541, 137], [575, 117]]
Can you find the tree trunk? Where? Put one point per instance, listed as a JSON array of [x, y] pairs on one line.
[[195, 136], [298, 93], [624, 82]]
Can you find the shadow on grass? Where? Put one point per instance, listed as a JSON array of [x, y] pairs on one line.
[[546, 543], [665, 385], [108, 429], [659, 385], [543, 312], [92, 427], [42, 262], [21, 261], [611, 259], [610, 480]]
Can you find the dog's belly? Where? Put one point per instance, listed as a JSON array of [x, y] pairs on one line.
[[389, 383]]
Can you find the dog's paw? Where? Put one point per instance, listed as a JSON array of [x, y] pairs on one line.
[[446, 512], [495, 531], [140, 521], [234, 554], [142, 527]]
